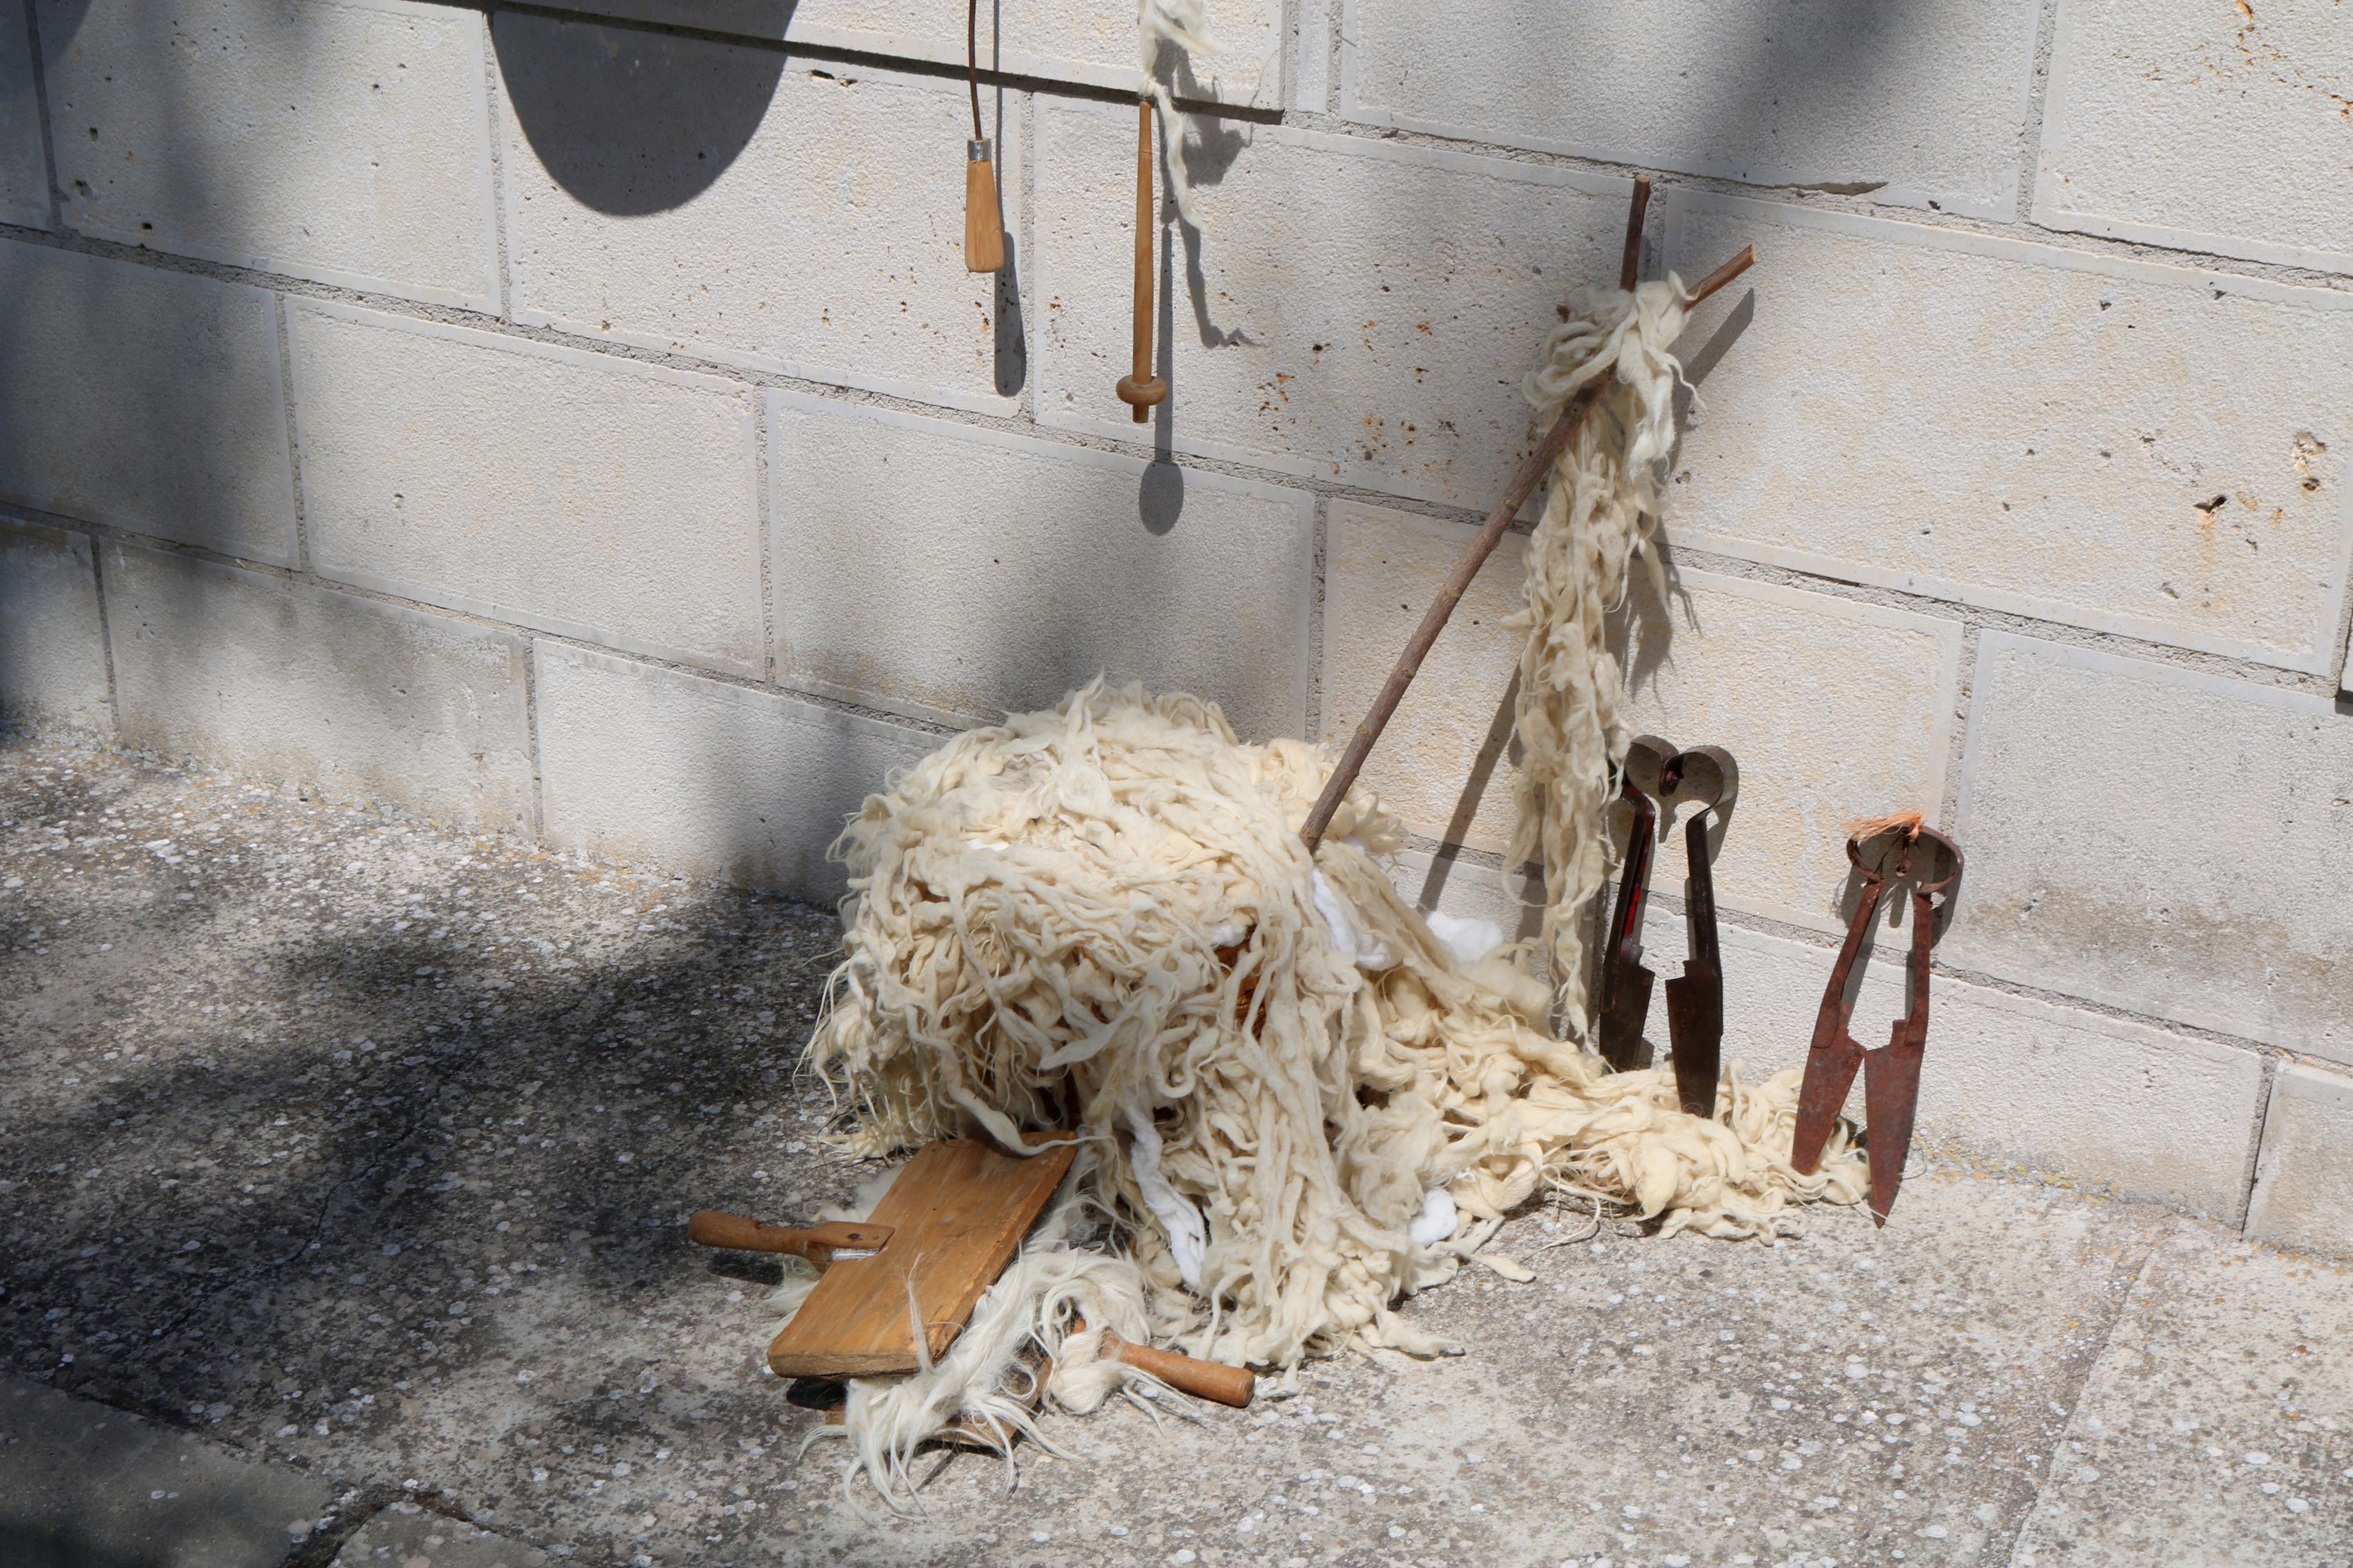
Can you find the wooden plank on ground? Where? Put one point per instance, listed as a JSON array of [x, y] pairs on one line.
[[956, 1213]]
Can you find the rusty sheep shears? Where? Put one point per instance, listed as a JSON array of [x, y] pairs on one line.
[[1658, 775], [1897, 852]]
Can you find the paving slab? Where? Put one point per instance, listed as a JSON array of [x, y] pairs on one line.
[[363, 1148], [82, 1486], [2217, 1429]]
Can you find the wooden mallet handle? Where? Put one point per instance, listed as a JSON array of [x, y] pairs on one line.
[[1140, 389], [1202, 1379], [983, 234], [817, 1243]]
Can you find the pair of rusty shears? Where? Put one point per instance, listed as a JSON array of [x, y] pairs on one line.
[[1931, 863], [1658, 775]]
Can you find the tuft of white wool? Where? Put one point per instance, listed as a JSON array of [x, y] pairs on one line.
[[1048, 1310], [1601, 505], [1144, 931], [1184, 22]]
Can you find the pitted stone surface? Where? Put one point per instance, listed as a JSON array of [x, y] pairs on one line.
[[2220, 128], [52, 638], [24, 170], [144, 399], [663, 768], [958, 575], [2179, 1454], [2160, 839], [564, 490], [2100, 441], [2304, 1177], [82, 1485], [305, 684], [406, 1536], [1305, 337], [1062, 40], [344, 141], [1915, 105], [754, 208]]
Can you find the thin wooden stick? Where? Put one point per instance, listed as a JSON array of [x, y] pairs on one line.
[[1629, 261], [1725, 273], [1475, 555]]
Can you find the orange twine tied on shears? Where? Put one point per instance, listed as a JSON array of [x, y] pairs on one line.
[[1865, 828]]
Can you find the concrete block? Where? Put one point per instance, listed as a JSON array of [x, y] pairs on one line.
[[144, 399], [2217, 127], [23, 168], [2304, 1177], [406, 1536], [1445, 763], [1917, 105], [1062, 40], [2136, 1112], [287, 681], [52, 642], [1833, 709], [84, 1484], [958, 574], [747, 206], [572, 491], [2089, 439], [345, 141], [2162, 839], [651, 766], [1303, 334], [1747, 666]]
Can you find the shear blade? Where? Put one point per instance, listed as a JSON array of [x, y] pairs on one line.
[[1830, 1074], [1622, 1044], [1695, 1036], [1891, 1096]]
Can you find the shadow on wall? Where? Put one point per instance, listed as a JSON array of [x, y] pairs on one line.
[[625, 121], [630, 122]]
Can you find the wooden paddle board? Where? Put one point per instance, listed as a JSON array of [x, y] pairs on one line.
[[958, 1212]]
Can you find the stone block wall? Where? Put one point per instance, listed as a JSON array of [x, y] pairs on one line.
[[575, 418]]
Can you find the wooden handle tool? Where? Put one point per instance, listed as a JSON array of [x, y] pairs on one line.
[[984, 230], [1141, 389], [1202, 1379], [1187, 1375], [817, 1243]]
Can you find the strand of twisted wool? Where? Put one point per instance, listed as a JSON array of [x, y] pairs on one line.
[[1184, 22], [1599, 503], [1104, 912]]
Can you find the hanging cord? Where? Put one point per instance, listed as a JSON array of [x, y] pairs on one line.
[[972, 61]]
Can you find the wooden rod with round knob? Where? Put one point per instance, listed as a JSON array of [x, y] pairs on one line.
[[1140, 389]]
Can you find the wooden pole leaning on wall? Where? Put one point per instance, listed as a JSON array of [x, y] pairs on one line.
[[1140, 389], [1475, 555]]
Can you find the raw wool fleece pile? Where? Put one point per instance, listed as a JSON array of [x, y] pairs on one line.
[[1101, 917], [1599, 507]]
